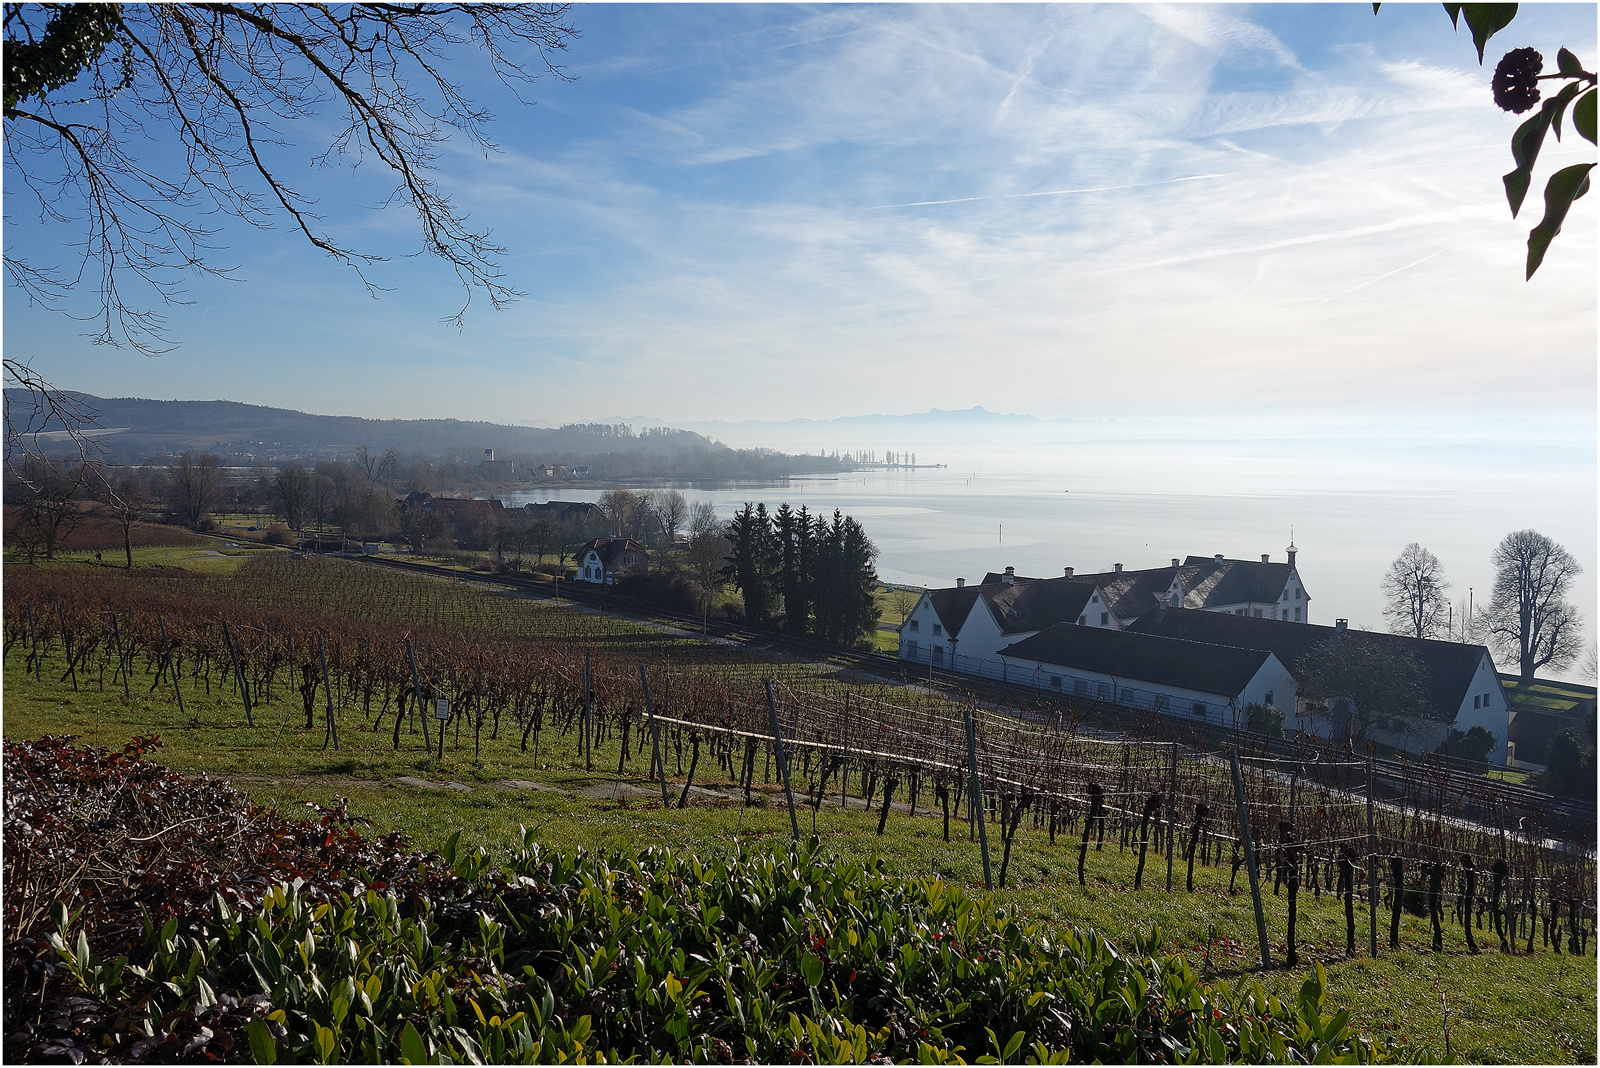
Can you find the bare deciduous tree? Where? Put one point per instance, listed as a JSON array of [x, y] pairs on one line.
[[194, 482], [135, 123], [1530, 619], [1413, 591]]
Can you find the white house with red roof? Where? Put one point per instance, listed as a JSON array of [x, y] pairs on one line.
[[604, 560]]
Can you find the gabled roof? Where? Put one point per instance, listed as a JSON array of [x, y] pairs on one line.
[[563, 511], [609, 549], [1449, 666], [462, 507], [1036, 604], [952, 605], [1219, 582], [1144, 658]]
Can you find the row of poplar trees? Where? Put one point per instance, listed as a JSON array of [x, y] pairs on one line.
[[804, 573]]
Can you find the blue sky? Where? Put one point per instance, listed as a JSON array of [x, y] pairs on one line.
[[1268, 213]]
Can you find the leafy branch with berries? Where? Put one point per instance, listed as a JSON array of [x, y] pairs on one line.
[[1516, 89]]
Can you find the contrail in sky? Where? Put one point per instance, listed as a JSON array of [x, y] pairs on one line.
[[1044, 193]]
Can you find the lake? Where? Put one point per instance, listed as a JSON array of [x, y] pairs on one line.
[[1351, 510]]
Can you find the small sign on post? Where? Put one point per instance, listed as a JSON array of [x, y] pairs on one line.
[[441, 712]]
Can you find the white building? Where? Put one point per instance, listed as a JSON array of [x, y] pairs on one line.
[[603, 560], [1186, 679], [964, 627], [1463, 688]]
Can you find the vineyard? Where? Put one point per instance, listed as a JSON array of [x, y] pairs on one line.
[[337, 648]]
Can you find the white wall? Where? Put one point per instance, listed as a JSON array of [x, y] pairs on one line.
[[1227, 709], [1493, 713]]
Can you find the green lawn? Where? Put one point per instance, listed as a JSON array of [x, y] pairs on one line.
[[1538, 1008]]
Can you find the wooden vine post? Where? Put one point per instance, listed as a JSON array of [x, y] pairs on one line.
[[1250, 861], [975, 792], [1372, 864], [588, 715], [783, 760], [844, 768], [416, 698], [238, 674], [655, 739], [166, 660], [1172, 812], [332, 733]]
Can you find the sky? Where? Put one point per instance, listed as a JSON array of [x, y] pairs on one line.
[[1261, 216]]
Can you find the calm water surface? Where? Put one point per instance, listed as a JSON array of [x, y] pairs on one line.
[[1349, 521]]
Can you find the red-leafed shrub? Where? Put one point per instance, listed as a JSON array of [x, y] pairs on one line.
[[120, 842]]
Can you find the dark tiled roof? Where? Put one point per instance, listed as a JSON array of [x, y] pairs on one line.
[[564, 511], [1143, 658], [1220, 582], [1036, 604], [1449, 666], [952, 605], [1132, 593], [611, 548]]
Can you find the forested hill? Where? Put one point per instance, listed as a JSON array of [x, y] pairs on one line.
[[132, 429]]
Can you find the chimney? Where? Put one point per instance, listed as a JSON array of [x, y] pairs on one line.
[[960, 582], [1174, 561], [1341, 624], [1217, 558], [1291, 551], [1010, 576], [1067, 571], [1266, 558], [1117, 568]]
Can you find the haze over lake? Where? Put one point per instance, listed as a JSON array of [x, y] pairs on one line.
[[1040, 496]]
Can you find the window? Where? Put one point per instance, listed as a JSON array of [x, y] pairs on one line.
[[1105, 691], [1082, 620], [1080, 687], [1055, 682], [1286, 614], [1297, 615], [1269, 698], [938, 655], [1258, 613], [913, 626], [1239, 612], [1199, 708], [1475, 700], [937, 630], [911, 650], [1105, 618]]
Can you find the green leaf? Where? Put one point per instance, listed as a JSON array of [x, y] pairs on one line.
[[1583, 116], [263, 1047], [1486, 20], [412, 1048], [326, 1043], [1012, 1046], [1558, 106], [1565, 186], [1525, 145], [1568, 64], [1454, 11], [811, 969]]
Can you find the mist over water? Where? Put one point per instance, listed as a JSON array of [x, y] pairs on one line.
[[1352, 503]]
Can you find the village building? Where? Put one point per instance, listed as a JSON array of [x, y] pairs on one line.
[[965, 627], [1185, 679], [948, 629], [1463, 688], [603, 560]]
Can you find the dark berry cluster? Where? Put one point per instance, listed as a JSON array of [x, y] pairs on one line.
[[1516, 80]]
